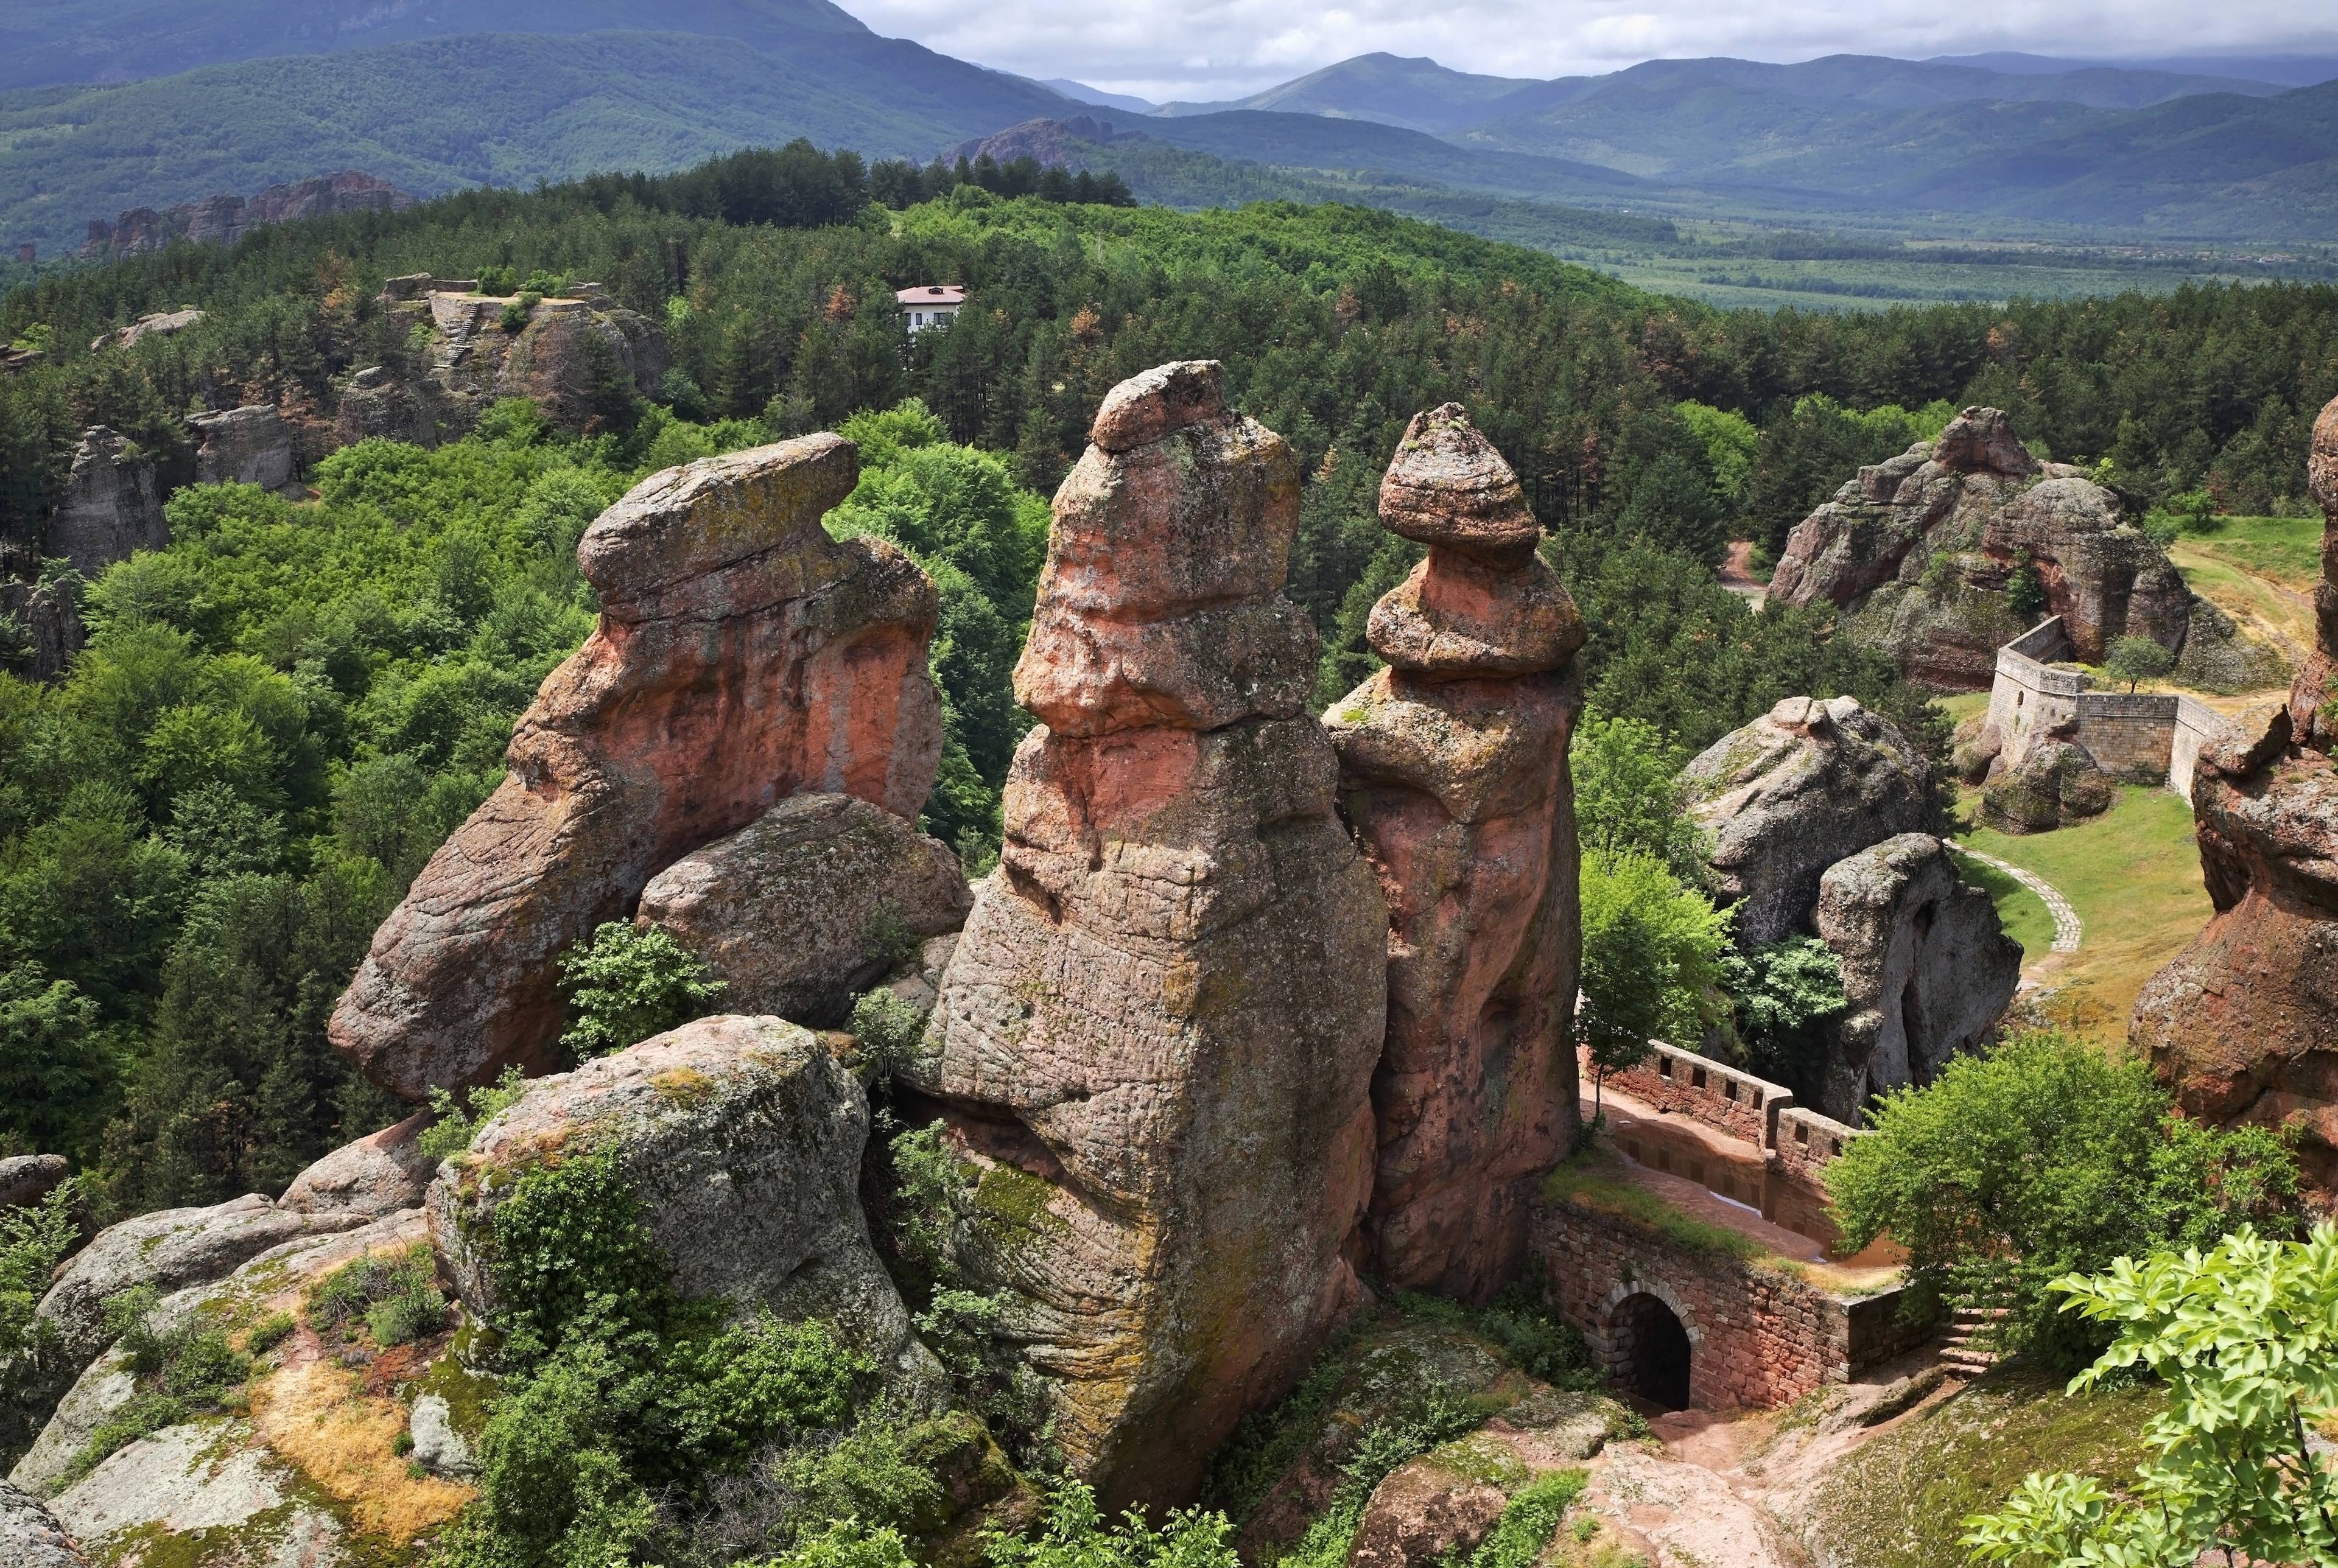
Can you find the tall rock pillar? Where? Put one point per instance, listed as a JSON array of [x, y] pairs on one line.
[[1454, 775], [1157, 1030], [2244, 1023]]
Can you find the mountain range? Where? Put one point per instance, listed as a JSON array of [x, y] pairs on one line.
[[107, 105]]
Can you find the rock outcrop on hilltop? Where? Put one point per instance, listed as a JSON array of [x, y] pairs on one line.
[[247, 446], [112, 505], [575, 358], [742, 656], [375, 403], [1919, 550], [1927, 967], [1453, 764], [741, 1140], [808, 904], [2245, 1021], [1797, 790], [1155, 1037], [222, 220]]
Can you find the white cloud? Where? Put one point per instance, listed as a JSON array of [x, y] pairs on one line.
[[1225, 48]]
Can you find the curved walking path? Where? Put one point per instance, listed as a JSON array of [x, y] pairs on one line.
[[2067, 929]]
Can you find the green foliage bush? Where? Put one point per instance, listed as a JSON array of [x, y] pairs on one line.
[[396, 1301], [1629, 797], [1529, 1519], [1075, 1534], [628, 982], [459, 1120], [1650, 959], [1781, 995], [179, 1371], [34, 1239], [2041, 1159]]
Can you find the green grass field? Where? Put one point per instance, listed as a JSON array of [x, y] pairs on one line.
[[2022, 912], [2133, 875], [2288, 550]]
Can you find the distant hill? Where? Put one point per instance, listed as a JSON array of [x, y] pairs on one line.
[[446, 113], [2277, 70], [1416, 94], [1081, 93], [111, 41]]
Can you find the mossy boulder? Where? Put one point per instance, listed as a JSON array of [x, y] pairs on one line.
[[2057, 784]]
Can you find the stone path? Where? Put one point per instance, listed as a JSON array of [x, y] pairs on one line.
[[2067, 927]]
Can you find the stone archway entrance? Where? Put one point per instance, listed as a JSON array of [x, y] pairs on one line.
[[1652, 1349]]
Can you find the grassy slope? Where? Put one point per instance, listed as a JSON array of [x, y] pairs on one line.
[[2133, 875], [1900, 1500]]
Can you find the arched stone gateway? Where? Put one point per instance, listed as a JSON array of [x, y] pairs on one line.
[[1651, 1345]]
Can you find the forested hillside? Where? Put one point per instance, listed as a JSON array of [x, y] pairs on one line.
[[278, 716]]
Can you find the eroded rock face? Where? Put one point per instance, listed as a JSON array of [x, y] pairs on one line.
[[1920, 550], [112, 507], [384, 1172], [376, 405], [1927, 967], [1793, 792], [808, 904], [741, 1138], [1453, 764], [248, 445], [579, 358], [1156, 1033], [30, 1536], [2057, 784], [2245, 1021], [742, 657], [48, 626]]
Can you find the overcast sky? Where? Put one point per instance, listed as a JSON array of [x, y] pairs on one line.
[[1164, 49]]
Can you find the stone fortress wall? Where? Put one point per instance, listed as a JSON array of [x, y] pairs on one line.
[[2144, 735]]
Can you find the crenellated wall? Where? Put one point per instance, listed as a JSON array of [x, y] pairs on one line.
[[2143, 736]]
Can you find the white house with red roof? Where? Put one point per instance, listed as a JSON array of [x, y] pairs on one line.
[[930, 304]]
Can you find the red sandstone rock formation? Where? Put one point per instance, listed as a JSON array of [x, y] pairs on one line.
[[742, 656], [1156, 1035], [1918, 550], [2244, 1021], [1454, 777]]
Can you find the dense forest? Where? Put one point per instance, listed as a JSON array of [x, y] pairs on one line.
[[279, 716]]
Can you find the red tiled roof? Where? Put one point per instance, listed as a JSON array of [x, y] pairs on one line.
[[931, 294]]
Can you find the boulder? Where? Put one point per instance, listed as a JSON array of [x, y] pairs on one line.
[[1453, 776], [375, 406], [1422, 1513], [381, 1173], [1927, 967], [248, 445], [167, 1250], [1919, 550], [111, 506], [741, 1138], [2244, 1023], [30, 1536], [1154, 1036], [439, 1447], [1793, 792], [808, 904], [742, 656], [26, 1178], [2057, 784], [158, 324]]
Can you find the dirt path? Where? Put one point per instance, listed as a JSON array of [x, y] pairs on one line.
[[1737, 573]]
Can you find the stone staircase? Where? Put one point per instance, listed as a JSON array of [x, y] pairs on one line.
[[1968, 1348]]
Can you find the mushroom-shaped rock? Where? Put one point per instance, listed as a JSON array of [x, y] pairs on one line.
[[739, 1138], [1154, 1039], [1450, 487], [1927, 967], [1453, 764], [808, 904], [1797, 790], [742, 656]]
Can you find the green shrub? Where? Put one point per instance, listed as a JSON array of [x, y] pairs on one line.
[[1536, 1341], [452, 1132], [396, 1300], [627, 984], [269, 1331], [2042, 1158], [846, 1543], [1076, 1535], [33, 1241], [886, 1028], [179, 1372], [1781, 997], [1529, 1520]]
